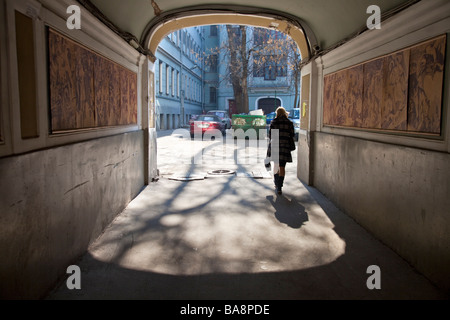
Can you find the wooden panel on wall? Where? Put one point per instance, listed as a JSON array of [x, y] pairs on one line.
[[328, 98], [86, 89], [399, 92], [373, 94], [425, 85], [61, 75], [394, 110], [26, 69], [1, 98], [354, 97]]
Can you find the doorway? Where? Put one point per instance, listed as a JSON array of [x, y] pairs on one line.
[[269, 105]]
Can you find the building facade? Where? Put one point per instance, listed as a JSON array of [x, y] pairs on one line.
[[192, 71], [270, 80], [179, 78]]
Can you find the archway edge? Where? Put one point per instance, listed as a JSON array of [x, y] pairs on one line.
[[171, 21]]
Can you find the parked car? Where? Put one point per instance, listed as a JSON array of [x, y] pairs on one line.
[[207, 124], [223, 115], [294, 116], [193, 118]]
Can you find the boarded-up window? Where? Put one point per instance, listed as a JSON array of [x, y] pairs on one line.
[[398, 92], [86, 89]]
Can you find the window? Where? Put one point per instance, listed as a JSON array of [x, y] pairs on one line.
[[213, 31], [212, 94], [236, 35], [260, 36], [213, 59], [173, 81], [269, 66], [281, 66], [160, 77], [281, 71], [270, 70], [258, 66], [167, 79], [178, 84], [176, 34], [188, 92]]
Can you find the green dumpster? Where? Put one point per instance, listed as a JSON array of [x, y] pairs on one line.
[[249, 126]]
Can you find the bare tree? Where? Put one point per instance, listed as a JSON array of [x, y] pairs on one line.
[[238, 66], [257, 51]]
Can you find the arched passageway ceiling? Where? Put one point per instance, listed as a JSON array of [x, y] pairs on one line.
[[330, 21], [156, 31]]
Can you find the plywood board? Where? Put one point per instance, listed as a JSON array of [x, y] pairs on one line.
[[88, 90], [84, 94], [354, 97], [402, 91], [62, 83], [373, 94], [394, 109], [426, 85], [340, 97], [328, 99]]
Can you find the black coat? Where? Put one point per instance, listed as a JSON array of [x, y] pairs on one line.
[[286, 134]]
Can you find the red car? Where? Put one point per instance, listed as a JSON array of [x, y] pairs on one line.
[[207, 124]]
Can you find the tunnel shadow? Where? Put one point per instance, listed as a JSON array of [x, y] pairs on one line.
[[334, 281], [288, 212]]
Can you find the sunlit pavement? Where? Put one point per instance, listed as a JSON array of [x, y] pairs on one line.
[[231, 237]]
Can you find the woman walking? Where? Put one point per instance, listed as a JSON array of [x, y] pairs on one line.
[[282, 129]]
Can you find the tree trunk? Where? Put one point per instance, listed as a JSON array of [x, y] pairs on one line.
[[238, 68], [244, 75]]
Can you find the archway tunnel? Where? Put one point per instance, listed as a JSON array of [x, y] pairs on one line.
[[78, 134]]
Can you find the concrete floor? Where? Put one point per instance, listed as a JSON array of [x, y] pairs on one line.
[[231, 238]]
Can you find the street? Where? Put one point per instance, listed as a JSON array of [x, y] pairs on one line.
[[181, 156]]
